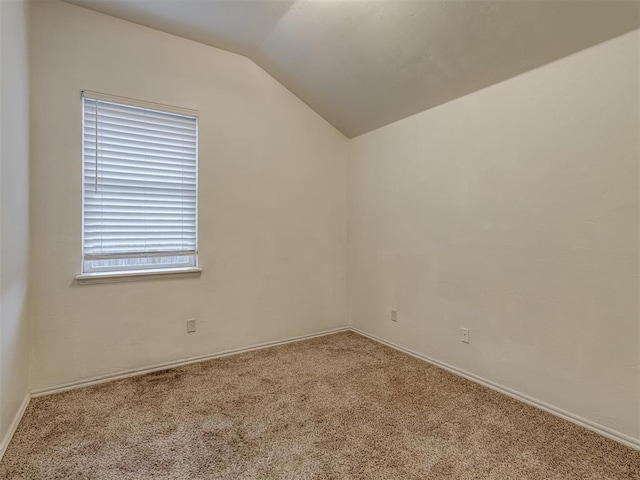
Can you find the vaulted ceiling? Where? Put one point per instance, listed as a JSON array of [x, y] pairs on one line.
[[362, 64]]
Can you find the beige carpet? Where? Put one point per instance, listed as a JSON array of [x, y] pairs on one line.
[[335, 407]]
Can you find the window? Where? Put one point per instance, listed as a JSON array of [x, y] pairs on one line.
[[140, 177]]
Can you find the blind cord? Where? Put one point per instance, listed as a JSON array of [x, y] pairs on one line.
[[96, 135]]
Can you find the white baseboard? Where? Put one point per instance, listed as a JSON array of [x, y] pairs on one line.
[[176, 363], [583, 422], [14, 425]]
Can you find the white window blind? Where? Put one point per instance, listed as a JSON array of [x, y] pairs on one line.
[[140, 186]]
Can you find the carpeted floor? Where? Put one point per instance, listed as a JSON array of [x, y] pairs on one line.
[[335, 407]]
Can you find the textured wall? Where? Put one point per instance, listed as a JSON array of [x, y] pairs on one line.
[[14, 203], [272, 194], [513, 212]]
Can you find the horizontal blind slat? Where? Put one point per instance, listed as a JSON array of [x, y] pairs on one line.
[[158, 127], [140, 241], [179, 144], [138, 112], [144, 118], [165, 194], [160, 253], [146, 178], [130, 130], [187, 172], [181, 214], [105, 152]]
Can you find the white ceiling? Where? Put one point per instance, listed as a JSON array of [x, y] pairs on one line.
[[362, 64]]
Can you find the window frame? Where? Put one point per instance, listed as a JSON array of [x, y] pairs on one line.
[[136, 272]]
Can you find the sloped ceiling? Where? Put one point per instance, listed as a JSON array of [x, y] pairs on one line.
[[362, 64]]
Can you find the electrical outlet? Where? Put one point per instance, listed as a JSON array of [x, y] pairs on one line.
[[464, 335], [394, 315], [191, 325]]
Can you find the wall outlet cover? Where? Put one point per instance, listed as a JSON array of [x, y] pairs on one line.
[[464, 335], [191, 325]]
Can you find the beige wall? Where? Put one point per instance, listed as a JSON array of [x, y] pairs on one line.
[[14, 216], [513, 212], [272, 195]]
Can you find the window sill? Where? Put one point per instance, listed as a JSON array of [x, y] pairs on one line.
[[136, 275]]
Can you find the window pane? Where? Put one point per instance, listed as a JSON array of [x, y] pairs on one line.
[[140, 187]]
